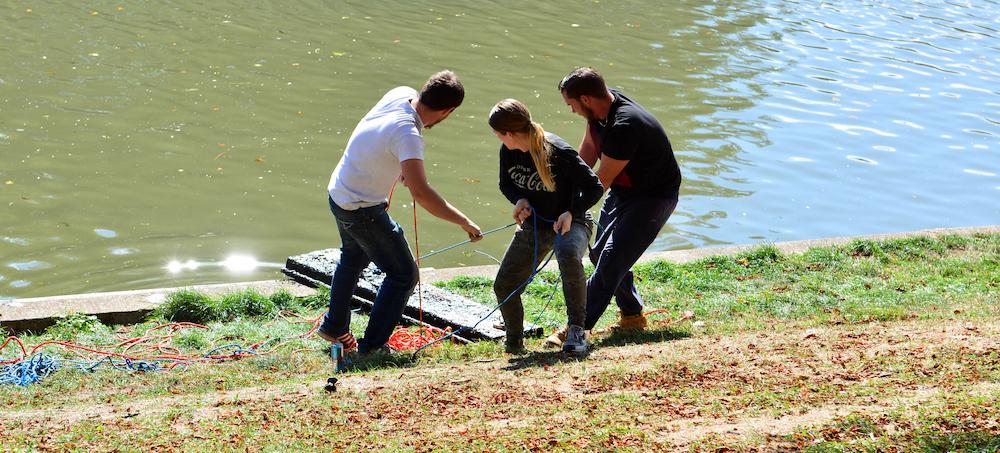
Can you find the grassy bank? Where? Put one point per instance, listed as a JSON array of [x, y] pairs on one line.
[[875, 345]]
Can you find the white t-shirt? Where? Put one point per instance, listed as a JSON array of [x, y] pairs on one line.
[[386, 136]]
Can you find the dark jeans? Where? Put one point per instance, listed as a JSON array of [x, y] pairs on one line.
[[626, 228], [370, 235], [516, 267]]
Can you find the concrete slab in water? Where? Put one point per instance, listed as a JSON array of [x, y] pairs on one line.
[[441, 308]]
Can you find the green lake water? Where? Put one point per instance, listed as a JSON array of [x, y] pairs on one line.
[[137, 134]]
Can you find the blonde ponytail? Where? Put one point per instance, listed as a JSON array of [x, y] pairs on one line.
[[541, 155]]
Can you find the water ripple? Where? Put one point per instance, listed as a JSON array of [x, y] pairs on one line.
[[104, 233], [16, 241], [852, 130], [30, 265]]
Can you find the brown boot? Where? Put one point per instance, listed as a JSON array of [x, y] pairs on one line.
[[557, 338], [628, 323]]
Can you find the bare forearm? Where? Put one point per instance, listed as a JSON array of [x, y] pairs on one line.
[[588, 152], [435, 204]]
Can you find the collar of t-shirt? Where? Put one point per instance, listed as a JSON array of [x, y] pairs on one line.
[[416, 116]]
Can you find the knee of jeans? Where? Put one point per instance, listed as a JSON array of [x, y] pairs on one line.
[[405, 277], [502, 288], [567, 255]]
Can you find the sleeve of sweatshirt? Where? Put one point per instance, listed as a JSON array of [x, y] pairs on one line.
[[507, 187], [587, 188]]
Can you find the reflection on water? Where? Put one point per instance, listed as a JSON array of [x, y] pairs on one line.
[[133, 136]]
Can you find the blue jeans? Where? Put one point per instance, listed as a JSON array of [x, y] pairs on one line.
[[370, 235], [626, 228]]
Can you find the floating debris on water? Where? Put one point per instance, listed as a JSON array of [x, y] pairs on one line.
[[863, 160]]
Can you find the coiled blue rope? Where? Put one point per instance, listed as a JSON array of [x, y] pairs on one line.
[[28, 371]]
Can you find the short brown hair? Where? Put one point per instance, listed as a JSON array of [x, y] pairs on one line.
[[583, 82], [442, 91]]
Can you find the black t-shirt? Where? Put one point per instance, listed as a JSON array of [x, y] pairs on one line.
[[577, 187], [633, 134]]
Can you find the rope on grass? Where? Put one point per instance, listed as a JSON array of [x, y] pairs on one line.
[[536, 268], [147, 353], [28, 371], [404, 339]]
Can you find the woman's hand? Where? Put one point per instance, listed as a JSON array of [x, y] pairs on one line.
[[563, 223], [522, 210]]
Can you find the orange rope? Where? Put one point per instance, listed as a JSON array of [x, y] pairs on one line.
[[416, 245], [406, 340]]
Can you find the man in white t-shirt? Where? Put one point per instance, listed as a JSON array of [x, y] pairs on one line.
[[385, 147]]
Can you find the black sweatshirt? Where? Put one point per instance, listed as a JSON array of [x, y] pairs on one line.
[[577, 187]]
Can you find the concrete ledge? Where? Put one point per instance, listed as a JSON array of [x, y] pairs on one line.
[[123, 307], [120, 307]]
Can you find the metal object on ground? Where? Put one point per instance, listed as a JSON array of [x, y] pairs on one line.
[[441, 308], [337, 356]]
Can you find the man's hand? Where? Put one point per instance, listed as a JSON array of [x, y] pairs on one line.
[[475, 234], [522, 210], [563, 223]]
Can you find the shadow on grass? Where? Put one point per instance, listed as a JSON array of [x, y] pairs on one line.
[[542, 358], [554, 356], [643, 336], [378, 361]]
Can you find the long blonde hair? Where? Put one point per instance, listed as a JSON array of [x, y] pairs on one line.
[[510, 115]]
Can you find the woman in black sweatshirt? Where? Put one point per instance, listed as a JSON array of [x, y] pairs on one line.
[[551, 189]]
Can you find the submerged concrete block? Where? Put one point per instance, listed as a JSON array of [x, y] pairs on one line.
[[441, 308]]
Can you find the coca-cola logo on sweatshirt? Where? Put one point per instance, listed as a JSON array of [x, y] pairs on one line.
[[526, 178]]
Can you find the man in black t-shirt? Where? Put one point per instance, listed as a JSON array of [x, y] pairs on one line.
[[638, 165]]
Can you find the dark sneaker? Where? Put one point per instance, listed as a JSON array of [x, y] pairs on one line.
[[516, 347], [576, 341], [383, 350]]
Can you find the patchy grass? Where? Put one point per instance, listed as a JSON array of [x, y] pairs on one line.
[[871, 346]]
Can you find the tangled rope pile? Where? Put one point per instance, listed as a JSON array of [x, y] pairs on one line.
[[404, 339], [149, 352]]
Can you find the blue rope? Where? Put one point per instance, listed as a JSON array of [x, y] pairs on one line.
[[126, 363], [33, 369], [534, 272], [28, 371]]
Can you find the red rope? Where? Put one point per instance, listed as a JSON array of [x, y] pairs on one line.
[[403, 339], [416, 245], [151, 346]]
